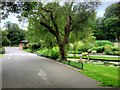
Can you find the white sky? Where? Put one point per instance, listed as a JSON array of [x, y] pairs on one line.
[[100, 11]]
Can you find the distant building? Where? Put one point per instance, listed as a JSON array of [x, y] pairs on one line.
[[23, 43]]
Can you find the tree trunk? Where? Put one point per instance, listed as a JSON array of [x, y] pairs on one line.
[[74, 51], [62, 52]]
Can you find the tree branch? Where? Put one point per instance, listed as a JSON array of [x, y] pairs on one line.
[[54, 23], [49, 28], [77, 23]]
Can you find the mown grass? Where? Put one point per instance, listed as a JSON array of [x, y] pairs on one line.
[[108, 76], [74, 64], [97, 58], [1, 55]]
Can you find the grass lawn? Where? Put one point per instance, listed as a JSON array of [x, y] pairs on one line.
[[108, 76], [1, 55], [98, 58], [27, 50]]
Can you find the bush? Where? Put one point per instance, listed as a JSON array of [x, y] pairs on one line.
[[55, 52], [25, 47], [116, 53], [103, 43], [116, 48], [99, 49], [94, 52], [28, 50], [34, 46], [46, 52], [2, 50], [110, 50]]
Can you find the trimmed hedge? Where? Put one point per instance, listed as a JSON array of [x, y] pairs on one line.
[[103, 43]]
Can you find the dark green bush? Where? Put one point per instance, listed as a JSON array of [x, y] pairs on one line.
[[25, 47], [2, 50], [103, 43], [34, 46]]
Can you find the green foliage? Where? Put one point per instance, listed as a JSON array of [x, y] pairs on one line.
[[2, 50], [99, 49], [107, 27], [15, 34], [34, 46], [46, 52], [4, 39], [110, 50], [55, 52], [81, 46], [28, 50], [103, 43]]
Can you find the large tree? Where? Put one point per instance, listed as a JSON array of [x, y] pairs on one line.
[[112, 20], [15, 34], [107, 27], [59, 20]]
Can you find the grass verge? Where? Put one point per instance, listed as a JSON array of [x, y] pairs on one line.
[[108, 76], [97, 58], [1, 55]]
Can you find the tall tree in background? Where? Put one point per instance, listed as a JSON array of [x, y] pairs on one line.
[[112, 20], [15, 34], [107, 27]]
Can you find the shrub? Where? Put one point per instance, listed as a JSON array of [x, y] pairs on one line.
[[103, 43], [116, 53], [55, 52], [2, 50], [46, 52], [115, 48], [28, 50], [94, 51], [110, 50], [25, 47], [99, 49], [34, 46]]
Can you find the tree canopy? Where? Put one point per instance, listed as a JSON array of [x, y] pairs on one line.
[[14, 33], [54, 21], [107, 27]]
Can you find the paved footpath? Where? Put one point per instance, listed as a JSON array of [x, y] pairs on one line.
[[26, 70]]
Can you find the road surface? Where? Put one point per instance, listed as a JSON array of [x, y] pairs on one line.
[[26, 70]]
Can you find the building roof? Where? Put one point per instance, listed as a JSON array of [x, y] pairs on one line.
[[24, 41]]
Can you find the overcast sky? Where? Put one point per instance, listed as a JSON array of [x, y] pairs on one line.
[[100, 11]]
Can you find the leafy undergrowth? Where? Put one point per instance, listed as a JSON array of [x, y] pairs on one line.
[[108, 76]]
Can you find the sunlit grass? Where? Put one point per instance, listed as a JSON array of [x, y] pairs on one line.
[[97, 58], [1, 55], [108, 76]]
